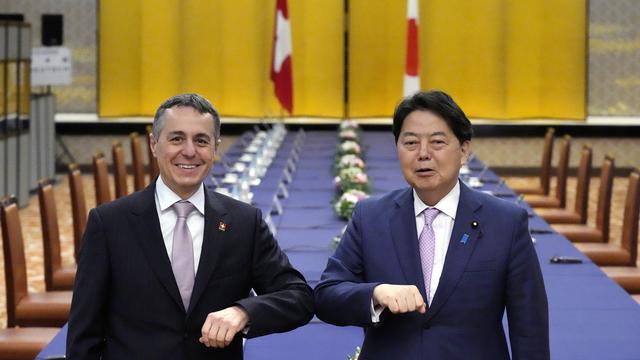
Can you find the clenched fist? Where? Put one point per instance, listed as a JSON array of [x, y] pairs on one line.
[[221, 326], [399, 298]]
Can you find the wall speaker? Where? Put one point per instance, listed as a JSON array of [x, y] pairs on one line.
[[52, 29]]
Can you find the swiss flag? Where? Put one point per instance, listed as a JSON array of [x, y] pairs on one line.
[[281, 73], [411, 73]]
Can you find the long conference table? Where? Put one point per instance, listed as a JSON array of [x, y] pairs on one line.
[[590, 316]]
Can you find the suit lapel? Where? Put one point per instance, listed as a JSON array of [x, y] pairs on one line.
[[405, 239], [149, 236], [217, 230], [463, 240]]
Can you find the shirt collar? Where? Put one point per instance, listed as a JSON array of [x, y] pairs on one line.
[[447, 205], [166, 197]]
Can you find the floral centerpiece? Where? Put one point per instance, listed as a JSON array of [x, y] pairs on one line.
[[345, 204], [352, 178], [349, 124], [356, 355], [349, 147], [347, 161], [348, 134]]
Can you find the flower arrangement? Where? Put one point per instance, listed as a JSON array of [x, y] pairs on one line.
[[356, 355], [348, 134], [349, 147], [347, 161], [351, 181], [345, 204], [349, 124], [352, 178]]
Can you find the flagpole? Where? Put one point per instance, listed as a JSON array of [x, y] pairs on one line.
[[345, 87]]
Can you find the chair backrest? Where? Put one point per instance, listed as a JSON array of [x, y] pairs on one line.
[[605, 191], [153, 164], [138, 164], [547, 155], [630, 219], [15, 268], [563, 170], [119, 170], [50, 231], [584, 179], [101, 179], [78, 206]]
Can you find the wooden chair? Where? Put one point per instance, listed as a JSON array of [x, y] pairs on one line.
[[24, 343], [56, 276], [137, 162], [599, 233], [153, 164], [23, 308], [78, 206], [545, 168], [101, 179], [625, 255], [119, 170], [579, 213], [560, 197]]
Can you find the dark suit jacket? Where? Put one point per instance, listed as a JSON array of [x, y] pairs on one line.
[[126, 303], [496, 268]]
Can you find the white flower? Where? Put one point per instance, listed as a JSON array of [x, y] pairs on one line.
[[350, 146], [348, 134], [350, 160], [348, 124]]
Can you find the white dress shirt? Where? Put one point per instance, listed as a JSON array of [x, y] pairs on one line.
[[442, 227], [165, 198]]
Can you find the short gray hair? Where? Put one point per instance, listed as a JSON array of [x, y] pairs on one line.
[[194, 101]]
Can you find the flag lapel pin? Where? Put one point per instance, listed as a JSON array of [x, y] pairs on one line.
[[222, 226]]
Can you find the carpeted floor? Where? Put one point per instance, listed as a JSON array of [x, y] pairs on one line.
[[32, 232]]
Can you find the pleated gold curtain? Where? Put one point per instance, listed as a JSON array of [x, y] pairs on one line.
[[498, 58], [150, 50]]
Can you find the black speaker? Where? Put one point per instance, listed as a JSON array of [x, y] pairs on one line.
[[52, 29]]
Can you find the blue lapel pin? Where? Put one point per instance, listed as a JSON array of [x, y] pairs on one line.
[[464, 239]]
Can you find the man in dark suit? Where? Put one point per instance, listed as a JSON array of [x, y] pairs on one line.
[[428, 271], [165, 273]]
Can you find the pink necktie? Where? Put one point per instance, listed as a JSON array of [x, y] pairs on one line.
[[427, 243], [182, 252]]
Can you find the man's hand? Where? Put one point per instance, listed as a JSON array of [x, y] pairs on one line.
[[399, 298], [221, 326]]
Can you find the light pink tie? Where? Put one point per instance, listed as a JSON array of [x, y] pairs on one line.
[[427, 243], [182, 252]]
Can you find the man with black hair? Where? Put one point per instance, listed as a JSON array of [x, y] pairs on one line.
[[429, 270]]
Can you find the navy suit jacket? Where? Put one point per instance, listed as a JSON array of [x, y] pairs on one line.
[[487, 269], [126, 303]]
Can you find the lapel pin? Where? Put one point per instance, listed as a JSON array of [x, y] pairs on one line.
[[474, 224], [464, 239], [222, 226]]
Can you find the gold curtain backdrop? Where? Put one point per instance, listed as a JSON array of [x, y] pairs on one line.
[[498, 58]]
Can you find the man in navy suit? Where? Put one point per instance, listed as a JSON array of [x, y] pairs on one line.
[[428, 271], [165, 273]]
